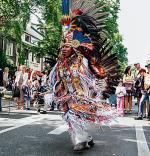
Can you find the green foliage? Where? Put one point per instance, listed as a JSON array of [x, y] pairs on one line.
[[121, 51], [16, 14], [3, 60], [21, 57], [52, 29], [112, 7], [51, 13]]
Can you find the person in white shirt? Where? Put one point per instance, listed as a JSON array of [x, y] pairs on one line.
[[120, 93], [21, 81], [5, 76], [44, 78], [48, 99], [137, 69]]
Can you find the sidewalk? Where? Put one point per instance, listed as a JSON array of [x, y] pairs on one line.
[[13, 107], [10, 106]]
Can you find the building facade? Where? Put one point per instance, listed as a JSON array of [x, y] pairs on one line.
[[31, 36], [9, 46]]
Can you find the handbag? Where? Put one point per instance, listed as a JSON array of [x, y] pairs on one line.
[[16, 92]]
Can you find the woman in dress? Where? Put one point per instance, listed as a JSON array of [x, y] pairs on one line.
[[128, 81]]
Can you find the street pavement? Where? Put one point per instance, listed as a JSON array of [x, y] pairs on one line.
[[28, 133]]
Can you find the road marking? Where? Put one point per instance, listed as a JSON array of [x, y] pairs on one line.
[[143, 149], [29, 120], [22, 122], [59, 130], [130, 121], [6, 125]]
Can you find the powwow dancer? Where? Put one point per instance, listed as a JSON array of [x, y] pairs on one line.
[[84, 59]]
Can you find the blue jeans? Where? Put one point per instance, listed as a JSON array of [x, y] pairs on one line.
[[149, 109], [144, 97], [113, 99]]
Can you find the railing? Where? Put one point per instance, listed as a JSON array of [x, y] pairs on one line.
[[7, 98]]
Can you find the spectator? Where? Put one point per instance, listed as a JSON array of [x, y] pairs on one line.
[[120, 93], [29, 71], [48, 99], [44, 78], [137, 69], [145, 94], [35, 94], [112, 99], [5, 77], [27, 94], [139, 85], [147, 82], [1, 84], [128, 81], [10, 83], [20, 81], [24, 75], [31, 75]]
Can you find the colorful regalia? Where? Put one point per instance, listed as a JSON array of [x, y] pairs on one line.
[[86, 71]]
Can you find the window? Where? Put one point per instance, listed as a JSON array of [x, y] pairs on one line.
[[37, 59], [34, 41], [32, 57], [9, 49], [27, 38]]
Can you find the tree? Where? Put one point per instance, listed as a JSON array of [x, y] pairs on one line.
[[3, 60], [114, 37], [50, 27], [14, 16]]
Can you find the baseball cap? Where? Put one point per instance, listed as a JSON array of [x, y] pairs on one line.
[[148, 65]]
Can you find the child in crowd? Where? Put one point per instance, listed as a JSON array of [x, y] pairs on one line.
[[120, 93], [27, 94], [48, 99], [35, 94]]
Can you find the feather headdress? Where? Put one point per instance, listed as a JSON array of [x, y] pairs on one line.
[[83, 23]]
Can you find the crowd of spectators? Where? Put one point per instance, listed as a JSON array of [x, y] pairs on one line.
[[29, 87], [135, 84], [32, 87]]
